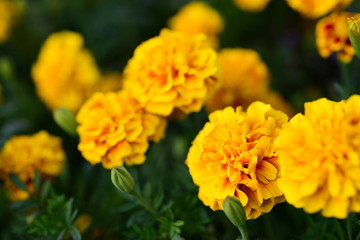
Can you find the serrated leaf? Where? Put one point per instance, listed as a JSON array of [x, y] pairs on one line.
[[18, 183], [75, 234]]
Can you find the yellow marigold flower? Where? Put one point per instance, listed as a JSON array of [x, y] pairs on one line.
[[319, 153], [233, 155], [65, 73], [23, 155], [114, 129], [198, 17], [244, 79], [9, 12], [172, 71], [83, 222], [109, 82], [332, 36], [252, 6], [317, 8]]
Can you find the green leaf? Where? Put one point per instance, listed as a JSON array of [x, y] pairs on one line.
[[18, 183], [37, 180], [45, 191], [75, 234], [61, 235]]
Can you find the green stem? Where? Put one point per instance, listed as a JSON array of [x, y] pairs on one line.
[[145, 204], [345, 79], [244, 233]]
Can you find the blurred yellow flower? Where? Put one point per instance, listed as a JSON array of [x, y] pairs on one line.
[[83, 222], [65, 73], [9, 12], [172, 71], [233, 155], [23, 155], [317, 8], [332, 36], [198, 17], [114, 128], [252, 6], [109, 82], [244, 79], [319, 153]]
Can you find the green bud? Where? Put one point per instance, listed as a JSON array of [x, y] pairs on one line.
[[66, 120], [6, 68], [354, 33], [235, 212], [122, 179]]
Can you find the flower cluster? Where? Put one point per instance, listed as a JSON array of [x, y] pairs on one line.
[[65, 72], [23, 155], [317, 8], [198, 17], [172, 71], [114, 129], [332, 36], [252, 6], [244, 79], [233, 155], [9, 11], [319, 152]]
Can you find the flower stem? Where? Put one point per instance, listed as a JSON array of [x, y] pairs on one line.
[[244, 233], [145, 204]]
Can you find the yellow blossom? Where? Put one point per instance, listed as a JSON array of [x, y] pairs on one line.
[[114, 128], [252, 6], [65, 72], [109, 82], [244, 79], [23, 155], [172, 71], [83, 222], [317, 8], [9, 11], [233, 155], [332, 36], [319, 153], [198, 17]]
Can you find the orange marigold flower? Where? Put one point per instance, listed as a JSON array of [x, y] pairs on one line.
[[233, 155], [244, 79], [317, 8], [172, 71], [23, 155], [65, 73], [198, 17], [332, 36], [252, 6], [114, 129], [319, 153]]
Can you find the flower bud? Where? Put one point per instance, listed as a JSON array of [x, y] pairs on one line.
[[66, 120], [235, 212], [122, 179], [354, 33]]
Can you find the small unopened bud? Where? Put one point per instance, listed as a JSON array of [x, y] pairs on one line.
[[354, 33], [122, 179], [66, 120], [235, 212]]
